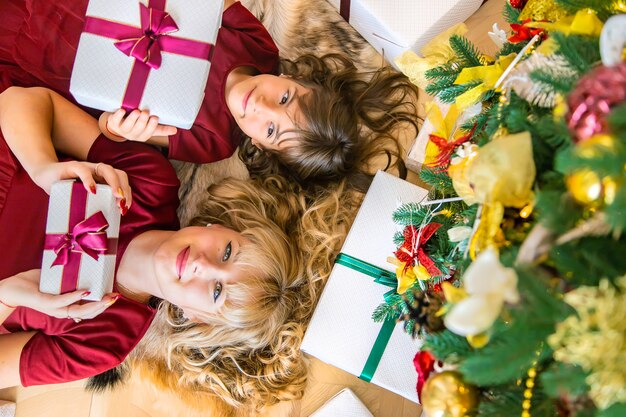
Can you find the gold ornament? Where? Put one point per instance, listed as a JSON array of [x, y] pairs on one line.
[[587, 188], [447, 395]]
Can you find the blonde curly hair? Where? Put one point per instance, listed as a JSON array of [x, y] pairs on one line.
[[248, 356]]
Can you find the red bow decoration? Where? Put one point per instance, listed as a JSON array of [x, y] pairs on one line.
[[145, 47], [446, 148], [424, 364], [87, 237], [522, 33], [412, 248]]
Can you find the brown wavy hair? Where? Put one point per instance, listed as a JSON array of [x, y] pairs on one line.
[[351, 117], [248, 357]]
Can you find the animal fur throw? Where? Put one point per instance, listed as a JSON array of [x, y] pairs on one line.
[[297, 27]]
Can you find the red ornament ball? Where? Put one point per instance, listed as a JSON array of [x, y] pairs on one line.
[[593, 99], [518, 4]]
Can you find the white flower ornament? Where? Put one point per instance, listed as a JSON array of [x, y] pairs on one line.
[[488, 285]]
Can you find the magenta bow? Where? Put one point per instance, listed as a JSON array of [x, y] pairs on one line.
[[145, 47], [87, 237]]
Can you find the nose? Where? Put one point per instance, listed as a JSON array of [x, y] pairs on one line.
[[202, 266], [262, 104]]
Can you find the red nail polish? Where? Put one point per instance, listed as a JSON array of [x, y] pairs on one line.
[[86, 293], [123, 210], [92, 188]]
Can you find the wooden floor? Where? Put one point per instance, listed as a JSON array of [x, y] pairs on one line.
[[137, 400]]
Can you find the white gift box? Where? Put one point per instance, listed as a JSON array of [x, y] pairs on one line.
[[81, 240], [342, 332], [343, 404], [105, 78], [394, 26]]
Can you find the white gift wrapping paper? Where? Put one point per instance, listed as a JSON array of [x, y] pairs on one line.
[[7, 408], [342, 332], [175, 91], [343, 404], [95, 275], [417, 153], [394, 26]]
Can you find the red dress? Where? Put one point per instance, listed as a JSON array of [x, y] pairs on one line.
[[38, 41], [62, 350]]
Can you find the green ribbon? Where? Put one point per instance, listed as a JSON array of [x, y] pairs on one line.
[[383, 277]]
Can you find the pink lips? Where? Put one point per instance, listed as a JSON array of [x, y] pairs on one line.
[[245, 100], [181, 261]]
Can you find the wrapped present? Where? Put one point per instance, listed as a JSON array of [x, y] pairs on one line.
[[342, 332], [7, 408], [80, 246], [344, 404], [152, 55], [439, 135], [394, 26]]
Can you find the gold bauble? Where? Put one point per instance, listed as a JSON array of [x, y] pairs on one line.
[[588, 188], [446, 395], [596, 145], [585, 186]]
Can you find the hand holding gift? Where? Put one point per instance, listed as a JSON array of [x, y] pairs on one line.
[[138, 126], [22, 290], [90, 174]]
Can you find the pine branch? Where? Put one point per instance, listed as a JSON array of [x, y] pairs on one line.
[[580, 52], [510, 48], [410, 214], [616, 410], [603, 8], [586, 261], [466, 51], [383, 312], [561, 379], [439, 180], [511, 14], [547, 79], [446, 346], [450, 94], [445, 70]]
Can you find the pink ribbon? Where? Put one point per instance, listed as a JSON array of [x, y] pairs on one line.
[[145, 44], [86, 236]]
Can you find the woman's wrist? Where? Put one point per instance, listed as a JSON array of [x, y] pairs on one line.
[[2, 302], [103, 124]]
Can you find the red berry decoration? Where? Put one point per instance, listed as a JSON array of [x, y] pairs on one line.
[[593, 99]]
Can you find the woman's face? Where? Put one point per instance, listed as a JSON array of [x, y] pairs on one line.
[[264, 106], [195, 265]]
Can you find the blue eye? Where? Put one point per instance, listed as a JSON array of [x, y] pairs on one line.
[[284, 98], [227, 251], [217, 291], [270, 130]]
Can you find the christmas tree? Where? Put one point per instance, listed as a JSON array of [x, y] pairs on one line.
[[514, 274]]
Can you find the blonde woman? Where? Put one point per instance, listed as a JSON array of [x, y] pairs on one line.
[[233, 285]]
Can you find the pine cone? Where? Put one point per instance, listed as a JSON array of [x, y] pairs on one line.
[[593, 99], [422, 311]]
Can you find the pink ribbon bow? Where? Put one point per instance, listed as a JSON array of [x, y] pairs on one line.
[[88, 237], [146, 46]]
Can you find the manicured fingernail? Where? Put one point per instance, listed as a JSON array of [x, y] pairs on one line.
[[113, 300], [120, 192], [85, 294], [123, 208], [92, 188]]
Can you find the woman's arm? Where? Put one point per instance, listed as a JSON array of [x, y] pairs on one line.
[[11, 346], [37, 122]]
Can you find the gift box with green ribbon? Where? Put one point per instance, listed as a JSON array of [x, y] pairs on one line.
[[342, 332]]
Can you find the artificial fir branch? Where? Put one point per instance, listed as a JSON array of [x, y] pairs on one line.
[[564, 379], [603, 8], [466, 51], [511, 14], [586, 261], [445, 70], [510, 48], [447, 346], [438, 179], [581, 52], [616, 410]]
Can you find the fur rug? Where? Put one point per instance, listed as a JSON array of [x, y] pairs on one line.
[[297, 27]]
